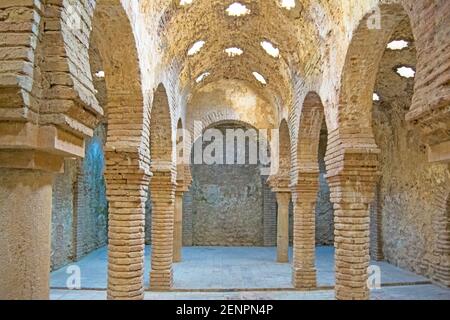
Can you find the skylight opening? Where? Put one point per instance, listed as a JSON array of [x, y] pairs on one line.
[[234, 51], [398, 45], [288, 4], [406, 72], [196, 47], [185, 2], [100, 74], [270, 49], [202, 77], [376, 97], [260, 77], [237, 9]]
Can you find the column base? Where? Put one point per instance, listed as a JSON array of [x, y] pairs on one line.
[[304, 279], [115, 293], [348, 293], [282, 258], [161, 280]]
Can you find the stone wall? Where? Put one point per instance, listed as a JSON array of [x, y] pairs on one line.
[[79, 218], [92, 207], [62, 216], [324, 207], [407, 191], [217, 213], [227, 202]]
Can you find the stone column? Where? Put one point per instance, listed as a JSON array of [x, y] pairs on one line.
[[184, 180], [352, 175], [283, 199], [178, 227], [163, 186], [304, 195], [127, 190], [25, 219]]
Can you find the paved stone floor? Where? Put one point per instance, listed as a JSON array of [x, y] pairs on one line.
[[241, 273], [408, 292]]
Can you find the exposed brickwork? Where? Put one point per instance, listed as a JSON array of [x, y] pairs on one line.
[[62, 238], [163, 186], [430, 109], [376, 232], [352, 176], [49, 106], [441, 265], [127, 189]]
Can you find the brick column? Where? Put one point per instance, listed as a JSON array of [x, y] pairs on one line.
[[184, 179], [127, 189], [283, 199], [163, 186], [178, 227], [352, 164], [304, 195], [279, 185]]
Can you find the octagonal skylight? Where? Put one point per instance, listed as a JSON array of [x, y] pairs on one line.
[[406, 72], [398, 45], [237, 9], [260, 77], [234, 51], [202, 77], [288, 4], [270, 49], [195, 48]]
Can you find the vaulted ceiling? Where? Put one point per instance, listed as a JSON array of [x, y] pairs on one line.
[[292, 30]]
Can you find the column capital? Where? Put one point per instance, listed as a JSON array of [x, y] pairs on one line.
[[283, 197], [279, 183], [31, 160]]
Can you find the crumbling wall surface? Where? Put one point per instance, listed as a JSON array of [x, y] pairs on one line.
[[324, 207], [92, 207], [62, 216], [80, 208], [408, 185], [227, 200], [227, 205]]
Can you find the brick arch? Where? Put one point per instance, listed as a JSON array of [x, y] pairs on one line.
[[114, 38], [311, 120], [352, 154], [161, 133], [362, 62], [227, 121], [163, 187], [305, 186], [198, 126], [127, 172], [284, 152]]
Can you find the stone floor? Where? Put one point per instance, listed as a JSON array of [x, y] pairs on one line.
[[407, 292], [241, 273]]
